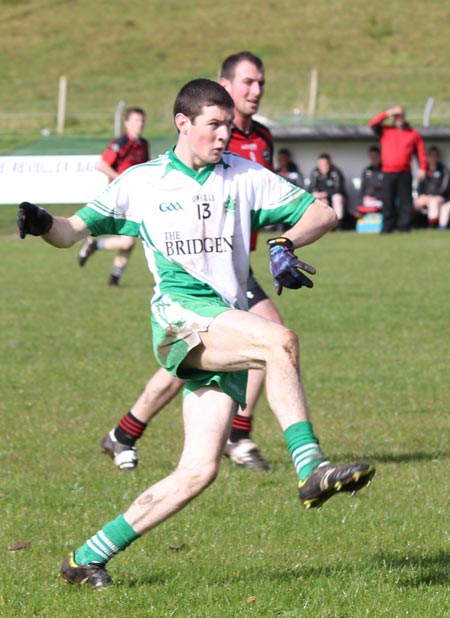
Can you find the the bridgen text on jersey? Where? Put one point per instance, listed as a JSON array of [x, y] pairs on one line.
[[194, 246]]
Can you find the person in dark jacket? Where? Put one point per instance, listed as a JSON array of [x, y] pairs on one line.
[[371, 191], [327, 183], [433, 190], [288, 168]]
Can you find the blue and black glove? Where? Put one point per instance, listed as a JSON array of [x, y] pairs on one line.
[[32, 219], [286, 267]]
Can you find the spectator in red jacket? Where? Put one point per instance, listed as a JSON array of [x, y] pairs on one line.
[[399, 143]]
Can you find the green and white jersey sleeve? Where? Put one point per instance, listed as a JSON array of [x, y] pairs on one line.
[[196, 226]]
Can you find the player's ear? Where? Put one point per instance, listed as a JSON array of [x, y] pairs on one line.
[[223, 81], [182, 123]]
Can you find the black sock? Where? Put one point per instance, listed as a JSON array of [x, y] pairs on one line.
[[240, 428]]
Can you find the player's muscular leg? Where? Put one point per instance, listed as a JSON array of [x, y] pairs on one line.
[[238, 340], [159, 390], [207, 414], [267, 309], [125, 249], [119, 243]]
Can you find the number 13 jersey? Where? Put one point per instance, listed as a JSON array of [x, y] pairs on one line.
[[195, 226]]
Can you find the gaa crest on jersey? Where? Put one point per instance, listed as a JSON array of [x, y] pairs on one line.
[[267, 155], [230, 204], [115, 147]]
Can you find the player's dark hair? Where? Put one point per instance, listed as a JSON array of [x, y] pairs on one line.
[[434, 149], [200, 93], [229, 64], [325, 155], [134, 110], [375, 149]]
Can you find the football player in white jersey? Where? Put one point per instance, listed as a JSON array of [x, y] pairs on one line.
[[242, 75], [201, 329]]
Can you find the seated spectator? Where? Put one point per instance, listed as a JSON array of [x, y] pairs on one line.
[[288, 169], [328, 184], [433, 190], [371, 184]]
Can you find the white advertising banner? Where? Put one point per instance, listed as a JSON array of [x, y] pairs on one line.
[[55, 179]]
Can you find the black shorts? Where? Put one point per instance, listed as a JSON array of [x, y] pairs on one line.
[[255, 293]]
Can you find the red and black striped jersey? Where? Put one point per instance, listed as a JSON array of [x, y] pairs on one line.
[[123, 152], [256, 145]]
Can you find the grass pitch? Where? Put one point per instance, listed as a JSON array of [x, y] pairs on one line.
[[374, 333]]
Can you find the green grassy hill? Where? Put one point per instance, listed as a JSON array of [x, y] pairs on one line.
[[368, 56]]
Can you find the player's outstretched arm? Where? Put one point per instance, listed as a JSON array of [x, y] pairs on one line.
[[60, 232], [318, 219]]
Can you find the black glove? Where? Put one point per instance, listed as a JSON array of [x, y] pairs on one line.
[[33, 220], [285, 266]]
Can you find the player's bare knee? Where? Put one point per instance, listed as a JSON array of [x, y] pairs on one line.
[[128, 245], [198, 478], [289, 345], [281, 342]]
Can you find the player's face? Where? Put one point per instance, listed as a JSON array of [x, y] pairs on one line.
[[135, 125], [204, 139], [246, 88]]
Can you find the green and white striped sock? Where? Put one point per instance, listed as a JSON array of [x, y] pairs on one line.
[[113, 538], [304, 448]]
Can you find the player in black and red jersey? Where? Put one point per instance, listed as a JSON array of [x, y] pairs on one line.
[[242, 75], [122, 153]]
